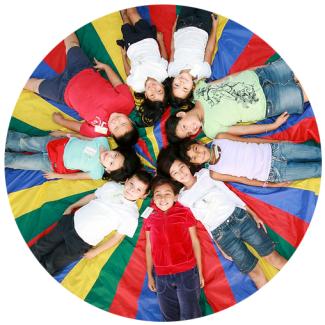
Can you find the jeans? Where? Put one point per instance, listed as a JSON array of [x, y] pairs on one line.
[[179, 294], [281, 91], [294, 161], [17, 141], [199, 18], [232, 233]]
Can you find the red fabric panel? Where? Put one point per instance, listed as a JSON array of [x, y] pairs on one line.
[[144, 148], [57, 58], [163, 129], [45, 232]]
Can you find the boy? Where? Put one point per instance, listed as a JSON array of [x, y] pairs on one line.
[[110, 207], [228, 220], [173, 248], [104, 105]]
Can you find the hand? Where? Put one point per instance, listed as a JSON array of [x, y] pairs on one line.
[[201, 280], [174, 26], [160, 37], [281, 184], [227, 257], [50, 175], [58, 133], [68, 210], [123, 50], [215, 21], [259, 222], [281, 119], [90, 254], [57, 118], [99, 65], [152, 283]]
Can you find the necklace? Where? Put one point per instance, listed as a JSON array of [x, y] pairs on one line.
[[206, 165]]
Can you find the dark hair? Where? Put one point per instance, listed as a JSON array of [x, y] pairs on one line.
[[131, 165], [171, 125], [143, 177], [160, 180], [129, 138], [180, 102], [184, 157], [151, 111], [166, 158]]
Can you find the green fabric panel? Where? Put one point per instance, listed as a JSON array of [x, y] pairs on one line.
[[20, 126], [204, 305], [273, 58], [178, 9]]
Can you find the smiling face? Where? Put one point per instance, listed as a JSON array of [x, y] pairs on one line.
[[110, 159], [182, 85], [198, 154], [180, 172], [154, 90], [188, 125], [134, 189], [119, 124], [164, 197]]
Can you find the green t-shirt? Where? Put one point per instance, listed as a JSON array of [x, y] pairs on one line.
[[84, 155], [238, 99]]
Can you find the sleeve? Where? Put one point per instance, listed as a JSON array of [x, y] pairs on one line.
[[217, 128], [136, 83], [107, 187], [128, 227], [145, 225], [231, 195], [201, 70], [173, 71], [190, 219], [164, 63], [127, 99]]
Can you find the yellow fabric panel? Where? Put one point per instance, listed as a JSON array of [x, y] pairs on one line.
[[221, 25], [30, 199], [311, 184], [152, 138]]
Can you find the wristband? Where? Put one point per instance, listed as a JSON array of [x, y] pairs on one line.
[[265, 128], [265, 184], [68, 135]]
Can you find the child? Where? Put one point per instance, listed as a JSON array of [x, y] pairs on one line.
[[246, 96], [104, 105], [111, 207], [71, 157], [174, 250], [148, 70], [191, 51], [254, 161], [228, 220]]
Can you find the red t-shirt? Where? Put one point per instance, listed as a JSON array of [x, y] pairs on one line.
[[94, 98], [171, 243]]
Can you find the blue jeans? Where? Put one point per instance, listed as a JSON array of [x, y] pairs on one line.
[[232, 233], [281, 91], [17, 141], [294, 161], [195, 17], [179, 294]]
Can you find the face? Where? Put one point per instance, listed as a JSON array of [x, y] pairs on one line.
[[119, 124], [198, 154], [134, 189], [188, 125], [154, 90], [111, 160], [164, 197], [182, 85], [180, 172]]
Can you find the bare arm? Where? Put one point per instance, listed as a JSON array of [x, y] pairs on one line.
[[258, 221], [71, 125], [172, 47], [211, 41], [127, 67], [105, 246], [58, 133], [197, 252], [151, 280], [85, 200], [72, 176], [222, 252], [160, 40], [233, 137], [113, 78]]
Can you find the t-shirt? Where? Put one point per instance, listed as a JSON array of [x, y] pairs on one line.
[[190, 44], [108, 212], [238, 99], [146, 61], [241, 159], [95, 99], [84, 155], [210, 201]]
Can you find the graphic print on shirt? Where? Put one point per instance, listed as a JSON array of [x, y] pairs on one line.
[[244, 94]]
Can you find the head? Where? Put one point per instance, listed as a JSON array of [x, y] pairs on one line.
[[152, 108], [180, 100], [165, 193], [123, 130], [183, 86], [195, 152], [181, 125], [137, 186], [180, 172], [131, 163]]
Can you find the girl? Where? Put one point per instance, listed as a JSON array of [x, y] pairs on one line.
[[226, 217], [148, 70], [247, 96], [191, 52], [71, 157], [255, 161], [173, 248]]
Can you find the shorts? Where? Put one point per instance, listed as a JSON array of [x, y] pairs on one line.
[[232, 233], [54, 88], [140, 31], [281, 91]]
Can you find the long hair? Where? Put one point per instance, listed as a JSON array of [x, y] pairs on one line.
[[180, 102]]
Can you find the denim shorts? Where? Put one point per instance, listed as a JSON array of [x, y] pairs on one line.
[[237, 229], [54, 88], [281, 91]]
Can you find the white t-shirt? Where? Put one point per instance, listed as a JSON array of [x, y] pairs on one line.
[[146, 61], [108, 212], [190, 44], [210, 201]]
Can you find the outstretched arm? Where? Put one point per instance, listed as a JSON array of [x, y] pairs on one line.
[[151, 279], [113, 78], [72, 176], [160, 40], [212, 40], [258, 221], [172, 47], [197, 252], [127, 67], [80, 203], [58, 133], [71, 125], [233, 137]]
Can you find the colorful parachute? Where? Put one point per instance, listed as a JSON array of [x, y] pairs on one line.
[[116, 280]]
